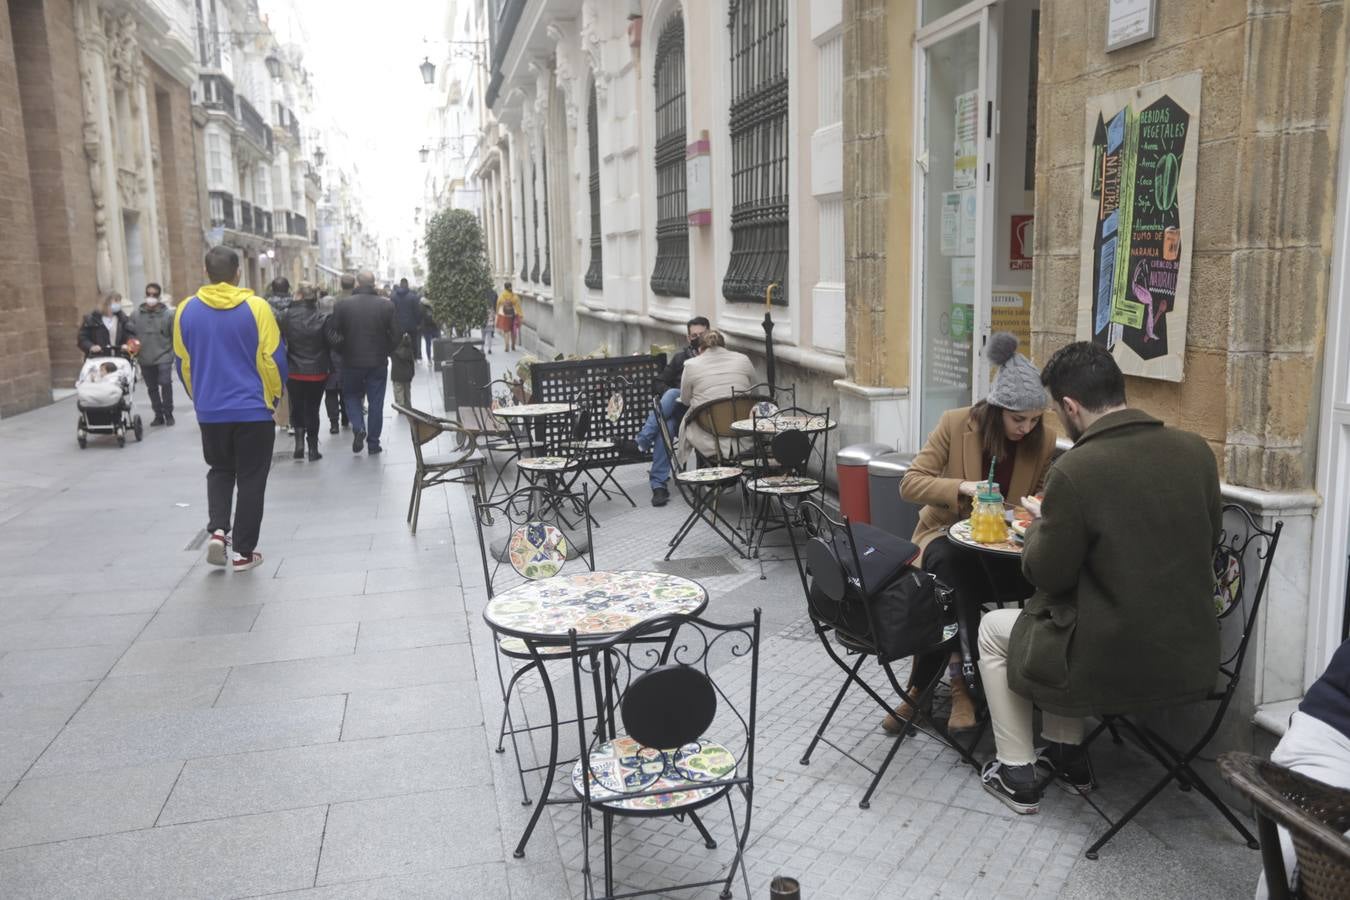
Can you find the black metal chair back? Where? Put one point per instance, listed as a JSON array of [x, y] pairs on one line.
[[1243, 545], [539, 538], [776, 395], [795, 448], [688, 736]]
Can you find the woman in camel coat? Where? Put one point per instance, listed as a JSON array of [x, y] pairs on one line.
[[1007, 428]]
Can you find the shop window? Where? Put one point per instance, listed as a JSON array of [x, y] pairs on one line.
[[670, 274], [759, 150], [595, 274]]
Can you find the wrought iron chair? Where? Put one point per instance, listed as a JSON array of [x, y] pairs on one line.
[[790, 452], [732, 448], [605, 409], [539, 541], [774, 395], [701, 490], [1317, 816], [841, 584], [502, 440], [659, 677], [563, 452], [1247, 543], [462, 465]]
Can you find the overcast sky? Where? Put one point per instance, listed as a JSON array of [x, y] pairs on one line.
[[363, 55]]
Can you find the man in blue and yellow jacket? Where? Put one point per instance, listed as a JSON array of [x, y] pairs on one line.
[[232, 362]]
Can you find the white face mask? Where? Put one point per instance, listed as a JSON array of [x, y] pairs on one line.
[[114, 309], [151, 300]]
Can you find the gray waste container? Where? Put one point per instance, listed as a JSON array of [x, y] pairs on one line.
[[889, 512], [443, 351], [470, 373]]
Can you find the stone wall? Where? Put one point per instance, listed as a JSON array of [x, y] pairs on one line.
[[49, 83], [24, 369], [1274, 72], [174, 137], [878, 159]]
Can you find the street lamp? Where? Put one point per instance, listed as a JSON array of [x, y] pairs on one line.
[[428, 70], [318, 157], [273, 66], [424, 153]]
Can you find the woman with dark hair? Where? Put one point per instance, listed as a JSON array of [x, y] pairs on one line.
[[308, 336], [1008, 431]]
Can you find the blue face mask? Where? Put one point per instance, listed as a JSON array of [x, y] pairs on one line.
[[114, 309]]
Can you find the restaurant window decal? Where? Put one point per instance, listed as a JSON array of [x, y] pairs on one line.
[[595, 275], [1139, 215], [670, 274], [759, 150]]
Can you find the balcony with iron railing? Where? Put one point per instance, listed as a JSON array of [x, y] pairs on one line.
[[245, 216], [262, 223], [254, 127]]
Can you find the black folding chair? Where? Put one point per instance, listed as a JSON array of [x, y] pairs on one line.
[[841, 583], [786, 455], [701, 489], [502, 440], [1247, 543], [537, 542], [687, 739]]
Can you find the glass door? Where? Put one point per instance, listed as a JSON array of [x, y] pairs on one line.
[[954, 197]]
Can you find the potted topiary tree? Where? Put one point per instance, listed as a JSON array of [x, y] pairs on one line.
[[457, 280]]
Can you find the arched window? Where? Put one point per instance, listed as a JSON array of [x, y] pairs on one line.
[[595, 275], [759, 150], [670, 274]]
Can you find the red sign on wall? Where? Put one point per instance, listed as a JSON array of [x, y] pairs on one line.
[[1023, 236]]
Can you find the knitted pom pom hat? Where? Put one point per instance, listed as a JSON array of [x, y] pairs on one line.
[[1018, 384]]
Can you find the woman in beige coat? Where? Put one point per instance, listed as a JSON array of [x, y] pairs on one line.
[[1007, 429]]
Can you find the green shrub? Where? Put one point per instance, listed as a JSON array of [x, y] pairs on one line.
[[457, 269]]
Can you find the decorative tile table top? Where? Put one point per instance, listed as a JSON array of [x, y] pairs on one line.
[[713, 473], [594, 603], [960, 534], [775, 424], [783, 484], [529, 410]]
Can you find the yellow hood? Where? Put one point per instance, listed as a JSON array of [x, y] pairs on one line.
[[223, 295]]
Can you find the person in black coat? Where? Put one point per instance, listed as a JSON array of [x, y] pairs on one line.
[[408, 312], [308, 334], [367, 333], [106, 330]]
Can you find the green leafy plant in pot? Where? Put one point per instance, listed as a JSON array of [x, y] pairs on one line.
[[457, 270]]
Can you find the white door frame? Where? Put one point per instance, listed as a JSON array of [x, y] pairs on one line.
[[985, 15], [1331, 528]]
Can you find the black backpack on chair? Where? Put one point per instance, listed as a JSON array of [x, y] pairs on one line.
[[872, 594]]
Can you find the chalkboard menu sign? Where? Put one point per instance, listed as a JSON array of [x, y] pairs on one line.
[[1138, 213]]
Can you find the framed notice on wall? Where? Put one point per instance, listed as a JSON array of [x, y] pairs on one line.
[[1138, 224], [1129, 22]]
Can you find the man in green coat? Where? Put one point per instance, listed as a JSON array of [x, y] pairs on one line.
[[1121, 556]]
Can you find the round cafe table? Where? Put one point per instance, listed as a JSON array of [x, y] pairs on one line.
[[539, 614], [776, 423], [960, 534], [532, 410]]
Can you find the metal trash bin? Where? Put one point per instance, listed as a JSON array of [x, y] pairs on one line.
[[443, 352], [851, 467], [470, 373], [889, 512]]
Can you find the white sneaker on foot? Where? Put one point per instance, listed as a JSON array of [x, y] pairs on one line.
[[216, 546], [244, 563]]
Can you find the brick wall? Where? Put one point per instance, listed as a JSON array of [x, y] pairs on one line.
[[174, 137], [24, 370], [49, 82], [1273, 82]]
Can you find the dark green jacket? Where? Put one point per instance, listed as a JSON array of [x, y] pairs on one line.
[[1123, 615]]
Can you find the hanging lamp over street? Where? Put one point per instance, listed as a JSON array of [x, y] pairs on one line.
[[273, 66], [424, 153], [428, 70]]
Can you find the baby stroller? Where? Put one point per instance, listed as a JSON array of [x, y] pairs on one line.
[[105, 399]]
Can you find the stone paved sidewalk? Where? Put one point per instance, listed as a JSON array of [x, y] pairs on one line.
[[324, 726]]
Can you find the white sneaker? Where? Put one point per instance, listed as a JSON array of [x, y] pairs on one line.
[[216, 546], [244, 563]]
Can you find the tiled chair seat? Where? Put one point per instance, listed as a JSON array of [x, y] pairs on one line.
[[450, 460], [782, 484], [622, 767], [515, 648], [546, 463], [710, 475]]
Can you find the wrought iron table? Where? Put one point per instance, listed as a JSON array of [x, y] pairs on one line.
[[540, 614]]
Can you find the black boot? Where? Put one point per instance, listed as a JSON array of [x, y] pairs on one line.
[[299, 444], [314, 453]]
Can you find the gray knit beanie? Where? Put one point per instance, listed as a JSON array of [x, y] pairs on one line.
[[1018, 384]]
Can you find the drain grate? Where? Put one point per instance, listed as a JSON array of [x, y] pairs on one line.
[[697, 567], [197, 540]]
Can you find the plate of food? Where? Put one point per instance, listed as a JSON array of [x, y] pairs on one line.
[[1020, 518]]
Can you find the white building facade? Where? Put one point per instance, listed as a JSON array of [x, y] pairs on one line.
[[647, 162]]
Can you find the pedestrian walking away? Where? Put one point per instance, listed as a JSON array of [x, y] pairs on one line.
[[106, 330], [367, 333], [430, 328], [280, 299], [509, 317], [489, 318], [153, 324], [332, 388], [308, 336], [408, 312], [232, 363], [402, 367]]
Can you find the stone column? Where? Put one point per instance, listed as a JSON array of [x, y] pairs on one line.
[[98, 145]]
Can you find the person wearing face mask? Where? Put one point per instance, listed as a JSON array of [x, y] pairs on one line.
[[1008, 430], [153, 324], [106, 330]]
